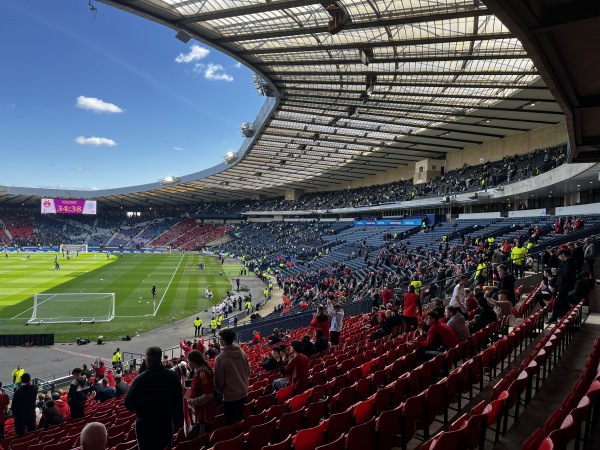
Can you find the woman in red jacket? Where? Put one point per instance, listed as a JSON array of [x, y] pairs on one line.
[[201, 395]]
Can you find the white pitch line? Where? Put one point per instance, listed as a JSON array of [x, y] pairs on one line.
[[50, 298], [165, 293]]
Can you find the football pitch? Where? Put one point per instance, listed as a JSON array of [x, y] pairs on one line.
[[179, 290]]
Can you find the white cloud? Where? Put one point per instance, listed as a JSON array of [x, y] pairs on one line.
[[216, 72], [7, 106], [196, 53], [78, 169], [199, 68], [178, 148], [237, 65], [96, 105], [97, 141]]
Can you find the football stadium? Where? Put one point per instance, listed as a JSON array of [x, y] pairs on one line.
[[399, 254]]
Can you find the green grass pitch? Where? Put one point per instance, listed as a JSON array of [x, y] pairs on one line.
[[179, 289]]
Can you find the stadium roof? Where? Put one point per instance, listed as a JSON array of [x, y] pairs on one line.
[[353, 87]]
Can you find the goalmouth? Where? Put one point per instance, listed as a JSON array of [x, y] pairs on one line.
[[80, 248], [73, 308]]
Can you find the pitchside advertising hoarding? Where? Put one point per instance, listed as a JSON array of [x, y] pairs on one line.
[[68, 206], [385, 223]]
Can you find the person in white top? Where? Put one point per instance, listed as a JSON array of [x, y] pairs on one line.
[[458, 295], [336, 314]]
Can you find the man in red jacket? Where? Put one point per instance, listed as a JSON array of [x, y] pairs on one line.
[[321, 321], [440, 336]]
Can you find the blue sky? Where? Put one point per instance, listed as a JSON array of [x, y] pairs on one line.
[[111, 101]]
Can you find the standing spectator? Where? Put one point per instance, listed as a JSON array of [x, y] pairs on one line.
[[458, 295], [517, 257], [23, 405], [17, 373], [121, 387], [78, 392], [589, 254], [337, 322], [321, 322], [201, 395], [4, 401], [116, 359], [99, 369], [86, 372], [457, 323], [197, 327], [417, 284], [565, 282], [157, 400], [411, 306], [232, 372], [386, 295], [506, 282], [93, 436], [577, 255]]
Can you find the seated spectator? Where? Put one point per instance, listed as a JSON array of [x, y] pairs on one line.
[[105, 392], [471, 301], [51, 415], [275, 337], [308, 348], [440, 337], [321, 344], [546, 288], [121, 387], [213, 350], [256, 338], [581, 290], [296, 367], [271, 362], [503, 306], [457, 323], [93, 436], [387, 325], [61, 406], [484, 318]]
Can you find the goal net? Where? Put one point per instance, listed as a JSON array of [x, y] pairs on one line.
[[73, 308], [81, 248]]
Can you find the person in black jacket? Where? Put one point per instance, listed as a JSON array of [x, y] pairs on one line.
[[78, 392], [156, 398], [321, 344], [486, 316], [506, 282], [582, 288], [51, 415], [308, 348], [23, 405], [565, 283]]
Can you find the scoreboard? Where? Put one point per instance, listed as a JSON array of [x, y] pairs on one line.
[[68, 206]]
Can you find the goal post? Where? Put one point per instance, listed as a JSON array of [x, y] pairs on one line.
[[73, 308], [81, 248]]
